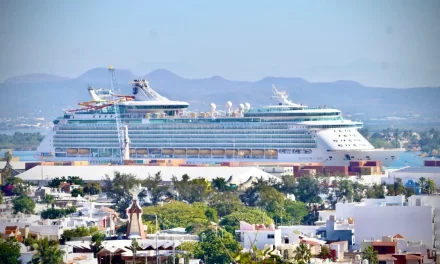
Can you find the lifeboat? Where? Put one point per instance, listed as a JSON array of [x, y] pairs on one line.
[[192, 151], [218, 152], [72, 151], [132, 151], [244, 152], [205, 152], [271, 152], [155, 151], [167, 151], [179, 151], [231, 152], [257, 152], [83, 151], [142, 151]]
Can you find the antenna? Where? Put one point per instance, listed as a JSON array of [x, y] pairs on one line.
[[117, 113]]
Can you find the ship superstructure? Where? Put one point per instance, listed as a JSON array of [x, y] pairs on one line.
[[159, 128]]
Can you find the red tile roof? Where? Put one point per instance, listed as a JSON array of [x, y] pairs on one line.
[[398, 236], [13, 228]]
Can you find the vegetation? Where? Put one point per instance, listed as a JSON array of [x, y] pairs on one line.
[[370, 254], [302, 254], [327, 253], [81, 231], [92, 188], [77, 192], [23, 204], [427, 141], [54, 213], [76, 180], [20, 141], [216, 246], [9, 251], [48, 252]]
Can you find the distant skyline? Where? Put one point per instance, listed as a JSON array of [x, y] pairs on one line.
[[377, 43]]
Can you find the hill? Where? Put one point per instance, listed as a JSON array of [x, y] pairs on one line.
[[51, 97]]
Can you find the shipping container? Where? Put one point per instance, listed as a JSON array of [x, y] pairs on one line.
[[429, 163], [437, 163]]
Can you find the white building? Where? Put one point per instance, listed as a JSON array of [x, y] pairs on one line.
[[375, 218], [258, 235], [414, 173], [429, 200]]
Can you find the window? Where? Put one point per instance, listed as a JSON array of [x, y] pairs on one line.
[[382, 262], [270, 236]]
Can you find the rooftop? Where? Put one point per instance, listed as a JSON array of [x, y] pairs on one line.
[[235, 175]]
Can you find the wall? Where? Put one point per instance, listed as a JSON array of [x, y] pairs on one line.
[[414, 223], [259, 238], [434, 201], [345, 210]]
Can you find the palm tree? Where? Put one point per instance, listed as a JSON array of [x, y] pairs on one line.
[[370, 254], [302, 253], [49, 199], [431, 187], [47, 252], [134, 246], [219, 184], [422, 181]]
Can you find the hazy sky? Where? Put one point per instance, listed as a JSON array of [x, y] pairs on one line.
[[239, 40]]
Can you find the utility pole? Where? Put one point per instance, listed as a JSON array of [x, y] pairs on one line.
[[174, 253], [157, 236]]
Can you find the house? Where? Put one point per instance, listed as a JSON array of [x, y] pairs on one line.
[[258, 235], [13, 231], [375, 218]]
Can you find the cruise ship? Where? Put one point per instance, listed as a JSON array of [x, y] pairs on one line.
[[154, 127]]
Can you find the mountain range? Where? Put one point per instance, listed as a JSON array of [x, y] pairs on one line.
[[47, 95]]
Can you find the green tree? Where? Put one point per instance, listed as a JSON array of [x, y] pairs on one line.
[[251, 215], [118, 189], [47, 253], [1, 197], [9, 251], [77, 192], [177, 214], [219, 184], [23, 204], [307, 190], [134, 248], [49, 199], [431, 187], [225, 203], [295, 211], [370, 254], [97, 239], [302, 254], [92, 188], [156, 190], [217, 247], [211, 214]]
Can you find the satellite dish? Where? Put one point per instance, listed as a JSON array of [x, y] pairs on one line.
[[213, 107], [228, 104], [248, 106], [241, 106]]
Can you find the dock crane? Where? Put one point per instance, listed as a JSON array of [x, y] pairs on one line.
[[122, 131]]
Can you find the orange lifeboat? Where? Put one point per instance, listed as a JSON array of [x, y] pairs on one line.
[[83, 151], [192, 151], [179, 151], [244, 152], [257, 152], [142, 151], [167, 151], [72, 151], [132, 151], [218, 152], [231, 152], [271, 152], [205, 152]]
